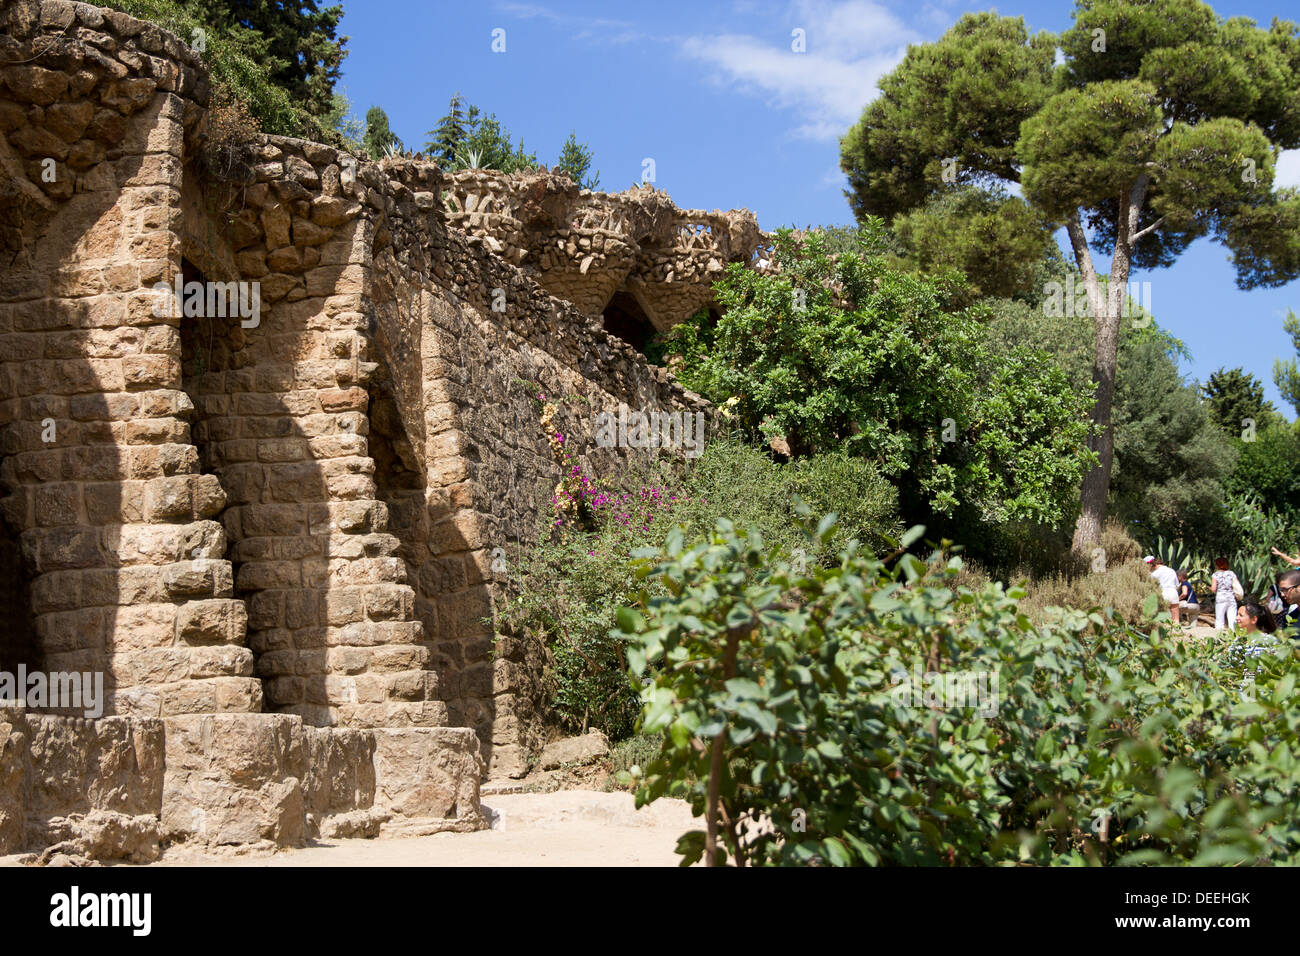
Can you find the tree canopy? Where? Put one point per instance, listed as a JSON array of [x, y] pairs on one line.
[[1236, 398], [849, 352], [1159, 126]]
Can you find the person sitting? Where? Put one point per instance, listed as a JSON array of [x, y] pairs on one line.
[[1187, 598]]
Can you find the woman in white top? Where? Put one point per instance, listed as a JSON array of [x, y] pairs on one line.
[[1225, 585], [1167, 578]]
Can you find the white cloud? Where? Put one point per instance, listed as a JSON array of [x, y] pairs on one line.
[[1287, 172], [850, 44]]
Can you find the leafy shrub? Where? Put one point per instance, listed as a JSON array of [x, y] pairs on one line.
[[239, 69], [783, 721], [847, 352], [566, 589]]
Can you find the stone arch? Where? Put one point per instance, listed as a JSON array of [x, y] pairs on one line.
[[625, 318]]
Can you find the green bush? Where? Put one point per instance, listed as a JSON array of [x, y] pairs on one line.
[[794, 717], [566, 589], [239, 70], [846, 352]]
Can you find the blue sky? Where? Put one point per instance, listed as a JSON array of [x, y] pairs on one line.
[[733, 117]]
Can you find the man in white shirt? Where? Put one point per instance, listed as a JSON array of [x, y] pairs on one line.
[[1167, 578]]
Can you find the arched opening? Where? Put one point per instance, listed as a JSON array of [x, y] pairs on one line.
[[18, 643], [624, 318]]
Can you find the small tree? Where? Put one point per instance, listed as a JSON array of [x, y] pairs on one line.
[[575, 160], [378, 138], [1286, 375], [1236, 397], [446, 138]]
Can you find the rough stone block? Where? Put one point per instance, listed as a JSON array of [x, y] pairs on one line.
[[428, 778]]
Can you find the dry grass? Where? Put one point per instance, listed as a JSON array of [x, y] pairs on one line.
[[1121, 581]]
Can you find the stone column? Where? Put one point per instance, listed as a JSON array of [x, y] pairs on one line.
[[101, 482]]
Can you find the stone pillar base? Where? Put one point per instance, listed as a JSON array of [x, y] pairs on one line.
[[239, 779], [427, 780]]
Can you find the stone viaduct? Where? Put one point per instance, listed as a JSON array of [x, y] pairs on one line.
[[271, 533]]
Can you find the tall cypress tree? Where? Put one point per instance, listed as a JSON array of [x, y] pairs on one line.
[[446, 139]]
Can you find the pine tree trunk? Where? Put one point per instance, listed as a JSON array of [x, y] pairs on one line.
[[1096, 483], [1107, 307]]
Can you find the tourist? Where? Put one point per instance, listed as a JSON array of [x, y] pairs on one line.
[[1286, 557], [1168, 581], [1227, 589], [1288, 586], [1190, 605], [1255, 618]]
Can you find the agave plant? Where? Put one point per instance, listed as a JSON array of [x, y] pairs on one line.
[[1173, 553], [470, 158], [1255, 573]]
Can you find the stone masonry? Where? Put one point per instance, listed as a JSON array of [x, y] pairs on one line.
[[272, 533]]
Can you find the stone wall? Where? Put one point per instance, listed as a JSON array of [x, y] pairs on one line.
[[606, 253], [278, 528], [102, 483]]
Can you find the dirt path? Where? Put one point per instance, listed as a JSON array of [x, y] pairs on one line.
[[564, 828]]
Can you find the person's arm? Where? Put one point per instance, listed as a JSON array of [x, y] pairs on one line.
[[1287, 558]]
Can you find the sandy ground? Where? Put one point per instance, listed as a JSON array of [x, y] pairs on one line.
[[564, 828]]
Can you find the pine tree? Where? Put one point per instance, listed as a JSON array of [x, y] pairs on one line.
[[297, 40], [447, 138], [378, 137], [1234, 395], [575, 159]]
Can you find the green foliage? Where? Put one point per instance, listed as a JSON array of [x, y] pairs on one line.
[[1269, 467], [242, 69], [961, 98], [1235, 397], [575, 161], [1171, 463], [487, 145], [349, 128], [1286, 374], [378, 139], [793, 716], [296, 42], [466, 138], [1170, 459], [565, 590], [446, 138], [995, 239], [847, 352]]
